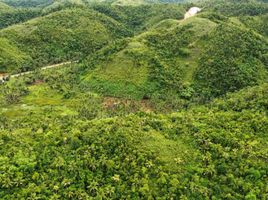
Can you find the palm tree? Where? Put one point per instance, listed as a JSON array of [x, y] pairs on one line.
[[93, 188]]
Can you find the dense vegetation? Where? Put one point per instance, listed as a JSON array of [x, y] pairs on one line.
[[157, 107], [61, 36], [236, 7], [10, 17], [229, 66], [27, 3], [196, 59], [51, 149], [140, 18]]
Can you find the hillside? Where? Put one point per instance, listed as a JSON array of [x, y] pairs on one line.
[[48, 39], [181, 58], [12, 16], [257, 23], [64, 35], [60, 4], [152, 55], [233, 65], [235, 7], [4, 7], [155, 106], [27, 3], [208, 147], [140, 18], [15, 56]]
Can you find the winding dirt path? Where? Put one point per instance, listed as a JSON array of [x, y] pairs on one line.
[[42, 68]]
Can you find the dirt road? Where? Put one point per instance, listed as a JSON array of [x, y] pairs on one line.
[[42, 68]]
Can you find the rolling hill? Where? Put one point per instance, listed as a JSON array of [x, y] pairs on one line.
[[27, 3], [140, 18], [64, 35], [157, 106], [188, 58], [161, 58], [47, 39], [233, 65], [235, 7], [10, 16]]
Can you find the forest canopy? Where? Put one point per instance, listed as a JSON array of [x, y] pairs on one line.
[[129, 100]]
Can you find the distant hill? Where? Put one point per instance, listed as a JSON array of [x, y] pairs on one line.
[[141, 18], [235, 7], [137, 2], [60, 4], [64, 35], [189, 58], [157, 106], [159, 60], [12, 16], [55, 3], [27, 3]]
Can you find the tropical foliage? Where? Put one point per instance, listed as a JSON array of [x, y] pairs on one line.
[[154, 107]]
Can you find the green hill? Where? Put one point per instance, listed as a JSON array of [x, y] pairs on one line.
[[10, 17], [193, 58], [4, 7], [128, 2], [50, 39], [27, 3], [64, 35], [140, 2], [228, 65], [61, 4], [157, 106], [140, 18], [235, 7], [161, 59]]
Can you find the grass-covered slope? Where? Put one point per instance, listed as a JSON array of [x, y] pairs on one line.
[[123, 73], [64, 35], [160, 60], [193, 59]]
